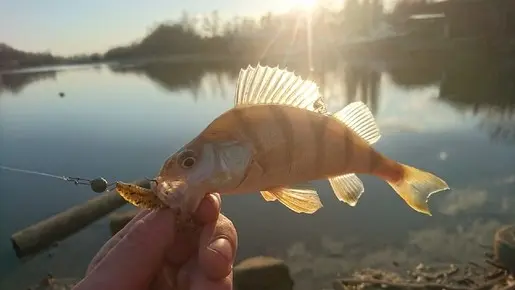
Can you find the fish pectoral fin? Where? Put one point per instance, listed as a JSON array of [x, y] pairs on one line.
[[268, 196], [297, 200], [267, 85], [347, 188], [359, 118], [139, 196]]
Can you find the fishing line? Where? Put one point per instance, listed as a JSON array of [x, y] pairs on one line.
[[98, 185], [32, 172]]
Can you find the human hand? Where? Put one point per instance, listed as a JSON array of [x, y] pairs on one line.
[[149, 253]]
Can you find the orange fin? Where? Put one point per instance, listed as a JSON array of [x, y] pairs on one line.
[[356, 116], [268, 196], [347, 188], [267, 85], [417, 186], [297, 200], [359, 118]]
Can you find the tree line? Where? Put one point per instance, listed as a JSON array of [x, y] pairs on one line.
[[213, 35]]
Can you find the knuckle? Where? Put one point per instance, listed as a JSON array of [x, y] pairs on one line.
[[226, 227]]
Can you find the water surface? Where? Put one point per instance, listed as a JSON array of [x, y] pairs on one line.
[[122, 122]]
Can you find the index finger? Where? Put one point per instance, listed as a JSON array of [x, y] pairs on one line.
[[138, 255], [113, 241], [217, 248], [186, 243], [207, 212]]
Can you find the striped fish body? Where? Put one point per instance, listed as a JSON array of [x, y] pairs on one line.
[[292, 145], [277, 136]]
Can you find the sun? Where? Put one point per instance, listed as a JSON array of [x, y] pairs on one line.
[[305, 4]]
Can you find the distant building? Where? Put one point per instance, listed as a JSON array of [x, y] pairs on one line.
[[428, 25], [480, 18], [474, 18]]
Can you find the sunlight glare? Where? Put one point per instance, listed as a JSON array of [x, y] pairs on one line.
[[305, 4]]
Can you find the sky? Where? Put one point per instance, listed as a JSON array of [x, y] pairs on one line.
[[68, 27]]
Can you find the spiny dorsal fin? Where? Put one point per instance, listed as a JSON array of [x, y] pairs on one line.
[[267, 85], [347, 188], [297, 200], [358, 117]]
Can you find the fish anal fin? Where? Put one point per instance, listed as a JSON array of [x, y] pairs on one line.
[[297, 200], [347, 188], [359, 118], [267, 85], [139, 196], [268, 196]]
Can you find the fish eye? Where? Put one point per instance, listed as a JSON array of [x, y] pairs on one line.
[[187, 159], [188, 162]]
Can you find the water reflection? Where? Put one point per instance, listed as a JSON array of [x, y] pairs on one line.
[[485, 91], [413, 76], [498, 123], [475, 89], [180, 76], [339, 238], [339, 85], [16, 82]]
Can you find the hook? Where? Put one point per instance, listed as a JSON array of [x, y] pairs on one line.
[[151, 180]]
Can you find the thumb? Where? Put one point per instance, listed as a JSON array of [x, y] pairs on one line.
[[134, 261]]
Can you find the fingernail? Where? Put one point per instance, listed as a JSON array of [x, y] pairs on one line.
[[217, 195], [215, 201], [223, 247]]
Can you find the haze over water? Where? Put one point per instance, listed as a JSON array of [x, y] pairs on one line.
[[122, 122]]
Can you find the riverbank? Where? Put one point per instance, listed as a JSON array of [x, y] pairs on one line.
[[263, 272], [391, 50]]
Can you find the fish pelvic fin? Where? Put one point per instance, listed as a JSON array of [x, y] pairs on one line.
[[267, 85], [416, 187], [347, 188], [358, 117], [297, 200], [268, 196], [139, 196]]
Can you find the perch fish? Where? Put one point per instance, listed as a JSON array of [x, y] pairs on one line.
[[274, 138]]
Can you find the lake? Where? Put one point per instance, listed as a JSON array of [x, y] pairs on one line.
[[121, 122]]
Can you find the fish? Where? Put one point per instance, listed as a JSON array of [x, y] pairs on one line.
[[277, 138]]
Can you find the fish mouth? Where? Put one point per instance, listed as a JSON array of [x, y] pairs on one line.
[[171, 192]]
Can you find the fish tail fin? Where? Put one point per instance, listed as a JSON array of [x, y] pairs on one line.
[[416, 187]]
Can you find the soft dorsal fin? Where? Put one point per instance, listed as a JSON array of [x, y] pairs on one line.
[[267, 85], [358, 117], [297, 200]]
